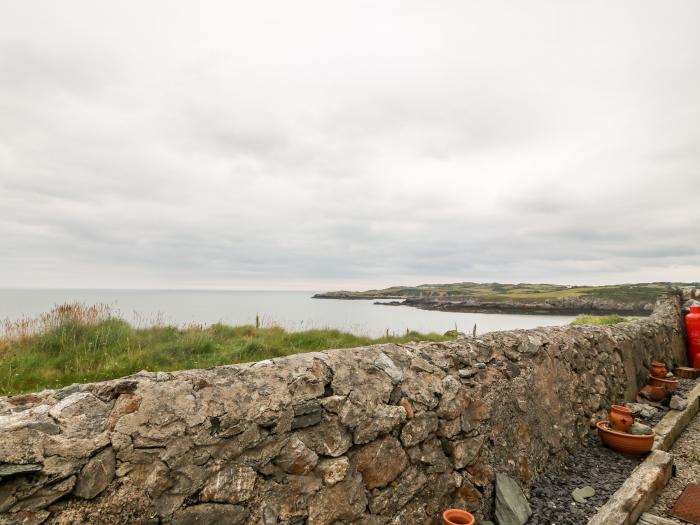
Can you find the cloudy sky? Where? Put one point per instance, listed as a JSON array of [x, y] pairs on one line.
[[328, 144]]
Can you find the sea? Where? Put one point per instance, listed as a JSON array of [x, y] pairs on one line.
[[292, 310]]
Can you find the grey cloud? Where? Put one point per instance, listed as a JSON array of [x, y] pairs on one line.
[[364, 143]]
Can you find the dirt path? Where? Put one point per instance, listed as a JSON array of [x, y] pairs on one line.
[[686, 457]]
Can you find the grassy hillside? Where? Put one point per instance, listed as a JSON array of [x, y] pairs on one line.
[[76, 344], [497, 292]]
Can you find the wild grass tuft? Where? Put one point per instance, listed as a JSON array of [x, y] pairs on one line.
[[78, 344]]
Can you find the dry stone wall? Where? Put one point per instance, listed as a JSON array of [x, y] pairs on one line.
[[384, 434]]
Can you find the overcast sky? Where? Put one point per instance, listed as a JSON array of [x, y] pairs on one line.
[[328, 144]]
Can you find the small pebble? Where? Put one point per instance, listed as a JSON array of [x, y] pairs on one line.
[[582, 494]]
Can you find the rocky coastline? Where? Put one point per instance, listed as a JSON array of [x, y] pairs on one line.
[[562, 306]]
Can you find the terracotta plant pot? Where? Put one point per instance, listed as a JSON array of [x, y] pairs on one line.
[[669, 384], [654, 393], [623, 442], [620, 418], [457, 517], [658, 369]]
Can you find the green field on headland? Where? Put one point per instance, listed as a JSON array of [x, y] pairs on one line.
[[77, 344]]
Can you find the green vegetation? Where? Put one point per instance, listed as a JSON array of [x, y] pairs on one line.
[[531, 293], [78, 344], [600, 319]]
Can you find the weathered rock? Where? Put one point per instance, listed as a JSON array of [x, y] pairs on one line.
[[641, 409], [333, 404], [400, 492], [383, 362], [380, 462], [45, 496], [430, 453], [419, 428], [481, 473], [467, 373], [511, 354], [413, 512], [307, 414], [306, 420], [424, 386], [24, 400], [296, 458], [369, 419], [449, 428], [211, 514], [343, 501], [511, 506], [479, 410], [470, 494], [328, 438], [125, 404], [333, 470], [639, 429], [678, 403], [455, 399], [28, 518], [9, 469], [81, 414], [304, 485], [465, 451], [230, 484], [96, 474]]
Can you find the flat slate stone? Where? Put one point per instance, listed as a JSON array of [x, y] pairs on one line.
[[9, 469], [582, 494], [512, 507]]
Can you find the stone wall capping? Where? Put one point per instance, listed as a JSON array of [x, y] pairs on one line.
[[651, 519], [670, 427], [378, 435], [638, 492]]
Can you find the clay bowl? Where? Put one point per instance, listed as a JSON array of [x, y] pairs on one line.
[[623, 442], [668, 384], [654, 393], [457, 517]]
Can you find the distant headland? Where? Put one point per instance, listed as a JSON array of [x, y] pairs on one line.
[[547, 299]]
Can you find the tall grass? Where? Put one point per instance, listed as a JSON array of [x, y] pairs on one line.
[[76, 343], [19, 329]]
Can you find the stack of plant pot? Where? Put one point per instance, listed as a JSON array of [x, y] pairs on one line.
[[623, 434], [661, 384]]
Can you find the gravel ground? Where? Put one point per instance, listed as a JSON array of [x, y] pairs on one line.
[[592, 465], [601, 468], [684, 386], [686, 458]]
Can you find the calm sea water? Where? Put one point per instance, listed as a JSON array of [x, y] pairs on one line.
[[292, 310]]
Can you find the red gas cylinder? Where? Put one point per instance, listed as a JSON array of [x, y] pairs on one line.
[[692, 325]]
